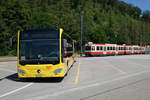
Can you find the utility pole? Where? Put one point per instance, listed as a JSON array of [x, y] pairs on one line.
[[73, 46], [81, 31]]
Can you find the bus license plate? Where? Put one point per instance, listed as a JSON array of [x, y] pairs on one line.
[[38, 75]]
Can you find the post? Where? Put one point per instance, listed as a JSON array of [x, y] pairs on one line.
[[81, 31], [73, 46]]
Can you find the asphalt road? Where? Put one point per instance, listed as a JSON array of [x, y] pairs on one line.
[[91, 78]]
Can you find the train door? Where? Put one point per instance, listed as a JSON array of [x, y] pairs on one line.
[[105, 49], [117, 50]]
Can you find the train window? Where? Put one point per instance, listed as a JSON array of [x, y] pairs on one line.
[[93, 48], [119, 48], [104, 48], [69, 49], [107, 48], [101, 47], [97, 47], [113, 48], [88, 48]]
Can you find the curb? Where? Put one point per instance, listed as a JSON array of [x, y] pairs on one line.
[[8, 59]]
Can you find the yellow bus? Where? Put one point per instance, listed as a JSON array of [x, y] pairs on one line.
[[41, 54]]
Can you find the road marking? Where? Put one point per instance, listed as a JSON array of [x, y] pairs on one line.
[[145, 67], [116, 68], [140, 65], [16, 90], [77, 74], [85, 87]]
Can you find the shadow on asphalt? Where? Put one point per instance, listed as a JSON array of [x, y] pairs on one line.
[[14, 77]]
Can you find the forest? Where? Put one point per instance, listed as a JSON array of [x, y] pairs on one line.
[[104, 21]]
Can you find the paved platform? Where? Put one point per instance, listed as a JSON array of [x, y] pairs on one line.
[[90, 78], [6, 59]]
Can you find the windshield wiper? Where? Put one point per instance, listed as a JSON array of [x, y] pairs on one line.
[[30, 61], [38, 61], [45, 61]]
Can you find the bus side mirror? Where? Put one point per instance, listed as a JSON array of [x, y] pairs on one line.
[[11, 41]]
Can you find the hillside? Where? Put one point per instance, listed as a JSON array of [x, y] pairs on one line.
[[105, 21]]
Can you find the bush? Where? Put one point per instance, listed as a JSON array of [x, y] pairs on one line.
[[12, 53]]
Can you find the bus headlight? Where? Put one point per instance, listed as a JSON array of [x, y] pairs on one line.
[[21, 71], [57, 71]]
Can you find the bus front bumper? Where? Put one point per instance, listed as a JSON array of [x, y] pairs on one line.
[[36, 71]]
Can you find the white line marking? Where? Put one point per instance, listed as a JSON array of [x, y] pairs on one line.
[[7, 70], [11, 92], [84, 87]]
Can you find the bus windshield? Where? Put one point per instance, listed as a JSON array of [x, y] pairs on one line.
[[39, 51]]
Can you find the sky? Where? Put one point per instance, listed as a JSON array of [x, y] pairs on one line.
[[143, 4]]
